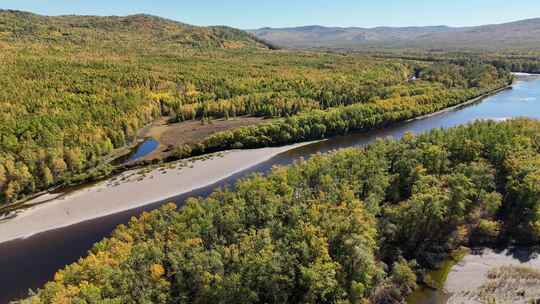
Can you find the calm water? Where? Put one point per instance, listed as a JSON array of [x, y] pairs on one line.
[[147, 147], [29, 263]]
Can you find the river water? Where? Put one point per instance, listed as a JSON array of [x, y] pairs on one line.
[[29, 263]]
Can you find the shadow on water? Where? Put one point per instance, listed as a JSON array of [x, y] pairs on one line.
[[29, 263], [522, 254]]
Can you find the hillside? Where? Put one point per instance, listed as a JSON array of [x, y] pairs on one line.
[[135, 30], [515, 35]]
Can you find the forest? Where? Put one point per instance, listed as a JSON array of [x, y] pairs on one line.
[[512, 60], [359, 225], [77, 89], [319, 124]]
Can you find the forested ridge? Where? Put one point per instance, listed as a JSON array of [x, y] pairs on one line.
[[112, 32], [75, 88], [357, 225]]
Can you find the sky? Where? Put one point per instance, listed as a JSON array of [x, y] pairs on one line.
[[251, 14]]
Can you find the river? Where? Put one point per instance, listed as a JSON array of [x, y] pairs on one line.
[[29, 263]]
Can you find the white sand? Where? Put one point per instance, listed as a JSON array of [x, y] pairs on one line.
[[518, 74], [471, 272], [130, 190]]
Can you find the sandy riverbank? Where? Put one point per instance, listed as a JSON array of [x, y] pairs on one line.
[[520, 74], [131, 189], [471, 274]]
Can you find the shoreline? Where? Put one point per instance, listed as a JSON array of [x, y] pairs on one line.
[[471, 273], [525, 74], [131, 189], [463, 104]]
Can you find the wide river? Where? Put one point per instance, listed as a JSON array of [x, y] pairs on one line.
[[28, 263]]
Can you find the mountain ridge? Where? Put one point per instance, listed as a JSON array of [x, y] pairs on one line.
[[521, 34], [16, 26]]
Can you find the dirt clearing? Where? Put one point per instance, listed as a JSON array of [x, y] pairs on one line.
[[170, 135]]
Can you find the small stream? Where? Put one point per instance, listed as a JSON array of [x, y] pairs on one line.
[[29, 263]]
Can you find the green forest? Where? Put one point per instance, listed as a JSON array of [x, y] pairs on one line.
[[353, 226], [75, 89]]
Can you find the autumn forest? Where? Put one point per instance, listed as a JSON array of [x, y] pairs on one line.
[[356, 225], [69, 100]]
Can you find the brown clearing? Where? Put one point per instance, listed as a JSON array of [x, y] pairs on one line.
[[170, 135]]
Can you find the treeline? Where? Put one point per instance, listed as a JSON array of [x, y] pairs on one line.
[[287, 97], [304, 96], [354, 226], [526, 65], [514, 61]]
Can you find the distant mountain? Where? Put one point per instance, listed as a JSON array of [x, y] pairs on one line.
[[144, 30], [520, 34]]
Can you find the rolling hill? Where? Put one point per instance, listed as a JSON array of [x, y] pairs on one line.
[[515, 35], [136, 30]]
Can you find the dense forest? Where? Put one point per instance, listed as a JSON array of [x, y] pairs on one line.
[[352, 226], [77, 88], [512, 60], [319, 124]]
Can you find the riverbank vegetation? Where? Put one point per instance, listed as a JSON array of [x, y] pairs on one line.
[[340, 120], [77, 88], [353, 226]]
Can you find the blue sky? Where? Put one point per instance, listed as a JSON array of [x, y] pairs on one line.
[[247, 14]]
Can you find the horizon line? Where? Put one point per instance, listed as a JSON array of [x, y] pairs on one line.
[[272, 27]]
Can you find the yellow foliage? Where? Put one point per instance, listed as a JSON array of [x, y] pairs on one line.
[[157, 271], [193, 242], [66, 295], [59, 277]]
